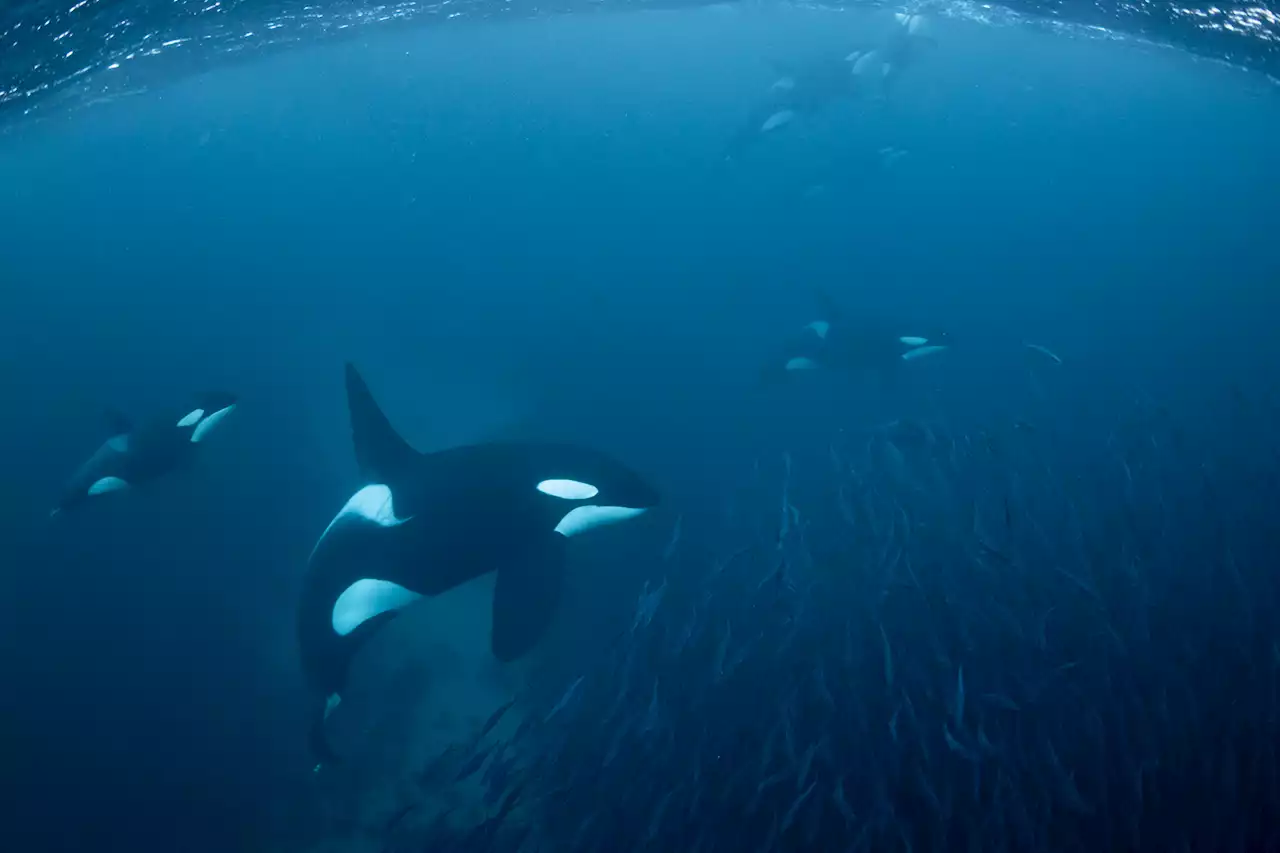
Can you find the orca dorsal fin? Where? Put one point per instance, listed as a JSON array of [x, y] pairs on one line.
[[781, 67], [829, 309], [380, 451], [118, 422]]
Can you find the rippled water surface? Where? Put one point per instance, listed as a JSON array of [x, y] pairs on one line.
[[51, 51]]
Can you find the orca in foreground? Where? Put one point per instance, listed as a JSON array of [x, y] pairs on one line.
[[834, 342], [135, 455], [425, 523]]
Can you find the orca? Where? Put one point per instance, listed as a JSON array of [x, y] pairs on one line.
[[424, 523], [835, 342], [815, 86], [877, 69], [135, 455], [796, 94]]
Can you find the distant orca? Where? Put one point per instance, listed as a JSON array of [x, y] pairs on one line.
[[875, 70], [833, 342], [428, 522], [134, 455], [798, 92], [812, 88]]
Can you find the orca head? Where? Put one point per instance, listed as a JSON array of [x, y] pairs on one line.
[[940, 337], [914, 23], [583, 489], [918, 346], [932, 337], [208, 412]]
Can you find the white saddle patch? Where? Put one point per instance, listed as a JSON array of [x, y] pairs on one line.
[[372, 503], [119, 443], [570, 490], [820, 328], [107, 484], [208, 423], [583, 518], [191, 417], [365, 599], [802, 364]]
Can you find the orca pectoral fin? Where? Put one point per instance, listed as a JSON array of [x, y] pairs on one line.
[[831, 311], [318, 739], [526, 596]]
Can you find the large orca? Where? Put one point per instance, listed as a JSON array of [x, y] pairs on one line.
[[134, 455], [809, 89], [834, 341], [425, 523]]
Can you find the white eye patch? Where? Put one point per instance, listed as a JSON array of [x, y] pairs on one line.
[[191, 417], [202, 429], [569, 490]]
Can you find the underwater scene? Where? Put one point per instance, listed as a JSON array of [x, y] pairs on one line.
[[639, 427]]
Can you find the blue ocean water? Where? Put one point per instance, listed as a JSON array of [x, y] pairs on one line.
[[1009, 597]]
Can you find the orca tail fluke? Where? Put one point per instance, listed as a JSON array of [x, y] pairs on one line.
[[828, 307]]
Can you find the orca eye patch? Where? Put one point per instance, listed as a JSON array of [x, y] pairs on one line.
[[569, 490]]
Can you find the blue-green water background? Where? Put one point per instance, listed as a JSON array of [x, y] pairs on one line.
[[525, 227]]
